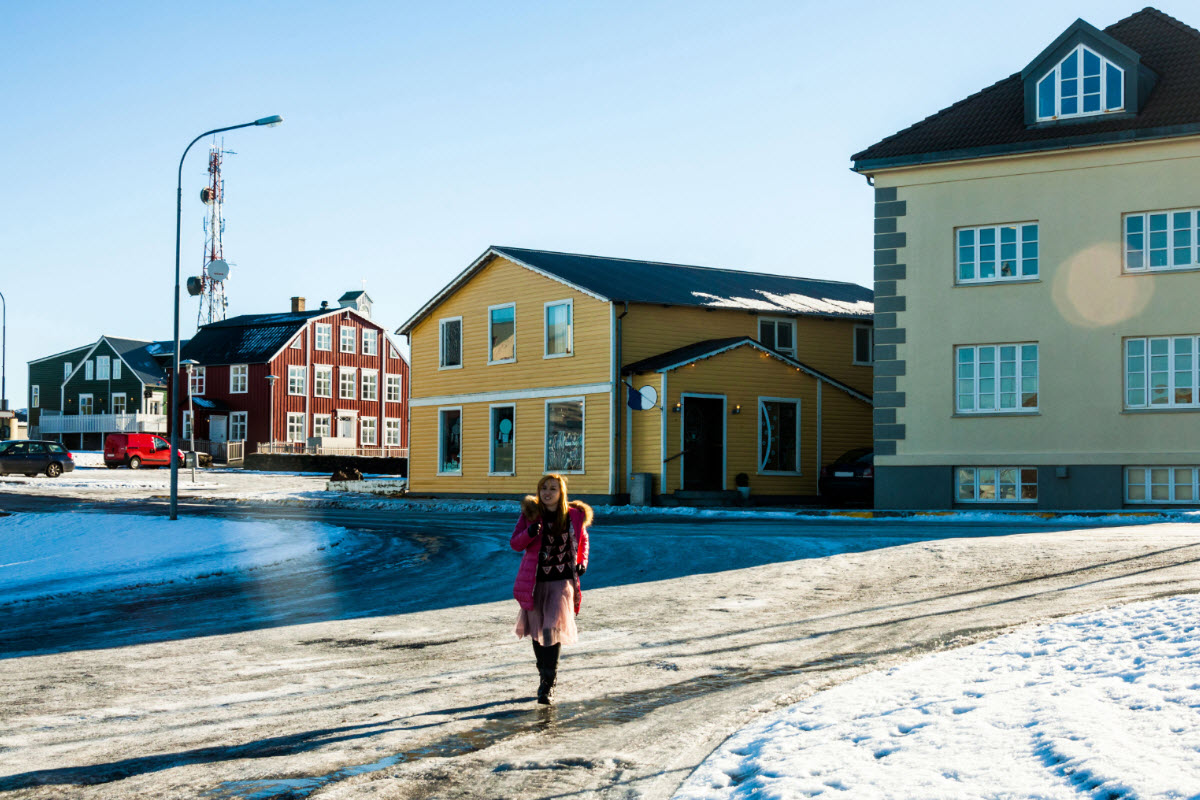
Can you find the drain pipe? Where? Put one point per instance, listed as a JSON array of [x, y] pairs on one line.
[[628, 412]]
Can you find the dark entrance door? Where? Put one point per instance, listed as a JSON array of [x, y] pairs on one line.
[[703, 443]]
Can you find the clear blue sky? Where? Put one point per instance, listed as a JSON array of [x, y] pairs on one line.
[[416, 135]]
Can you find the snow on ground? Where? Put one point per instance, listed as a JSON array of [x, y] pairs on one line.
[[51, 554], [1101, 705]]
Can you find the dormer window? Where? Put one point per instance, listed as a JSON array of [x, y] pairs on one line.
[[1082, 84]]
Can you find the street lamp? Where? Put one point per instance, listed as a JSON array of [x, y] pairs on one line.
[[188, 364], [3, 355], [174, 423], [271, 425]]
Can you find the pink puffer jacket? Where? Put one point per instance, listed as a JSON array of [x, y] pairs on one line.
[[530, 540]]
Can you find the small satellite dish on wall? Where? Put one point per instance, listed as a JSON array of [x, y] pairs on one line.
[[194, 286], [218, 269], [642, 399]]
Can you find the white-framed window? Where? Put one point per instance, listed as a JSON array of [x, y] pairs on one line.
[[559, 324], [321, 425], [864, 344], [348, 338], [238, 426], [392, 353], [35, 398], [778, 334], [370, 342], [779, 436], [450, 441], [346, 380], [66, 370], [997, 253], [564, 435], [502, 333], [1158, 241], [392, 389], [116, 369], [297, 379], [1161, 372], [1082, 84], [322, 380], [324, 336], [450, 343], [996, 378], [239, 378], [502, 458], [196, 386], [103, 368], [88, 370], [296, 343], [370, 384], [295, 426], [118, 403], [1161, 484], [186, 425], [391, 432], [368, 430], [86, 404], [995, 484]]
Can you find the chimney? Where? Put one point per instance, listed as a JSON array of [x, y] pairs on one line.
[[297, 304]]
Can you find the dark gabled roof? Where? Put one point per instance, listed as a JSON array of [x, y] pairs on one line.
[[247, 339], [137, 354], [992, 121], [626, 280], [680, 356]]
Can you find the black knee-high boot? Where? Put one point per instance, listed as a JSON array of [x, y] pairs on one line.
[[548, 670]]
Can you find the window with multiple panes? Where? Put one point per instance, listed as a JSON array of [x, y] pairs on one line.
[[103, 368], [779, 435], [196, 386], [996, 253], [450, 343], [1161, 372], [864, 344], [295, 427], [391, 432], [368, 431], [88, 370], [564, 435], [238, 426], [1161, 484], [995, 484], [324, 336], [322, 380], [349, 338], [1162, 240], [346, 383], [118, 403], [297, 379], [116, 369], [1083, 83], [558, 339], [393, 389], [450, 441], [778, 334], [502, 334], [186, 425], [370, 342], [321, 425], [503, 453], [239, 378], [370, 384], [66, 370], [996, 378], [35, 400]]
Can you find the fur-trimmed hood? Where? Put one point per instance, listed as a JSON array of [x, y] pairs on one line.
[[529, 507]]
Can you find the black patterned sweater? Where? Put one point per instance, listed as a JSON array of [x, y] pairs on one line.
[[556, 559]]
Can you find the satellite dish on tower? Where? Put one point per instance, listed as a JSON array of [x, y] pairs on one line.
[[194, 286], [218, 269], [207, 196]]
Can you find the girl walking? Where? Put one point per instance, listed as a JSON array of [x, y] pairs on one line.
[[553, 534]]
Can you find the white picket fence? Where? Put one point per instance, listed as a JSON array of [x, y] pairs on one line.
[[102, 423]]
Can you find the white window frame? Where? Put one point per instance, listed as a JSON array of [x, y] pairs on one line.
[[112, 401], [1178, 237], [35, 398], [88, 371], [491, 348], [297, 343], [347, 345], [972, 380], [977, 472], [1190, 475], [440, 440], [343, 373], [1178, 366], [296, 432], [776, 322], [372, 384], [324, 337], [762, 407], [116, 369], [368, 425], [103, 368], [492, 439], [196, 385], [239, 422], [67, 367], [582, 436], [297, 379], [393, 382], [1055, 74], [186, 424], [869, 331], [323, 425], [570, 303], [239, 378], [391, 425], [442, 343], [91, 403], [322, 379], [1022, 236], [370, 335]]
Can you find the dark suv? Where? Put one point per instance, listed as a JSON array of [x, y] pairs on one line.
[[29, 457]]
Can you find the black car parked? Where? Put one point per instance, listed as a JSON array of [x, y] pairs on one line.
[[29, 457], [851, 478]]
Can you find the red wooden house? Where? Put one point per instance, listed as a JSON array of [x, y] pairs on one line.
[[328, 378]]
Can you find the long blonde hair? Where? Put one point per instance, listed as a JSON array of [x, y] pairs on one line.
[[560, 516]]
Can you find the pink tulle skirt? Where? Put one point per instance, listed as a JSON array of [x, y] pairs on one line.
[[552, 619]]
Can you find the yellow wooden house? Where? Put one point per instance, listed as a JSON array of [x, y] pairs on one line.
[[608, 370]]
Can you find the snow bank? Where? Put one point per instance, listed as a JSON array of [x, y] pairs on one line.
[[51, 554], [1102, 705]]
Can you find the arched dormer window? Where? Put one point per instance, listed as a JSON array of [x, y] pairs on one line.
[[1082, 84]]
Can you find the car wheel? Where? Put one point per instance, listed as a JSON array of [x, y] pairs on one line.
[[53, 469], [135, 463]]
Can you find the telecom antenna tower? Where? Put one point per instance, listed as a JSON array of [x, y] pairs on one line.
[[214, 268]]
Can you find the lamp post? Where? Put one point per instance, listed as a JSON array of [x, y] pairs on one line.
[[3, 355], [271, 425], [188, 364], [270, 122]]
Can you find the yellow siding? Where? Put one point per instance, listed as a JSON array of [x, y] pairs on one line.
[[824, 344], [845, 424], [647, 431]]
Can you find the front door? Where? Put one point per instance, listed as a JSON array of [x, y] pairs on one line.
[[703, 444], [217, 427], [345, 427]]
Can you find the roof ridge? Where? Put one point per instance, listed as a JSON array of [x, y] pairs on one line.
[[1183, 26]]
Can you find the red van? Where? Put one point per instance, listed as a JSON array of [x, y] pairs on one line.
[[137, 450]]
